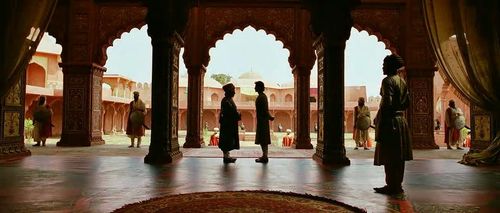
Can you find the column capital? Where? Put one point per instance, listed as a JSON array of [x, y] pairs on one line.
[[82, 68]]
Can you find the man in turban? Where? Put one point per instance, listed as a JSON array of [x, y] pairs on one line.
[[228, 119], [135, 124], [392, 133]]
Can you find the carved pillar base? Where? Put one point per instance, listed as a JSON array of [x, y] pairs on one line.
[[483, 128], [421, 110], [82, 105], [194, 137], [330, 148], [12, 122], [302, 108]]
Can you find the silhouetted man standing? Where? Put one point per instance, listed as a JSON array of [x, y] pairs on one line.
[[262, 135], [392, 133]]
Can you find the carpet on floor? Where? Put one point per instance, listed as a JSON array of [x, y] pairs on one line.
[[240, 201]]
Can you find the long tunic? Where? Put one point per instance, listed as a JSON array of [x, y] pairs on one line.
[[228, 119], [262, 135], [135, 123], [42, 122], [392, 133], [359, 134]]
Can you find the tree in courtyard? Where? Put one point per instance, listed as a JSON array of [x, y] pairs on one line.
[[221, 78]]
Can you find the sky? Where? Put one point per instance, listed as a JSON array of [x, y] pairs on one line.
[[251, 50]]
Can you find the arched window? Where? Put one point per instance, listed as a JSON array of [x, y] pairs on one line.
[[214, 97], [288, 98], [272, 98], [35, 75]]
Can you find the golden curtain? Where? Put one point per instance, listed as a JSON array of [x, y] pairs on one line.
[[22, 25], [465, 35]]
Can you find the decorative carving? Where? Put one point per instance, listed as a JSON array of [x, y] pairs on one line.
[[76, 98], [277, 21], [482, 128], [113, 22], [13, 97], [420, 126], [74, 122], [11, 124], [380, 23]]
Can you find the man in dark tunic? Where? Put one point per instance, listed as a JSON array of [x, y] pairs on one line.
[[262, 135], [228, 119], [392, 133]]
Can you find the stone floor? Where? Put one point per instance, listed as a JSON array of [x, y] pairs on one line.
[[104, 178]]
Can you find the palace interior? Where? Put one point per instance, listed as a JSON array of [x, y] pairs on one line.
[[446, 38]]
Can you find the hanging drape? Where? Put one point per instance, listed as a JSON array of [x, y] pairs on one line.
[[465, 35], [22, 24]]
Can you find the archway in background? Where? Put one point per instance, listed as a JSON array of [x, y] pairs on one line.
[[35, 75]]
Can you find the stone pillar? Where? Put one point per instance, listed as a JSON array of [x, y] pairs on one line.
[[194, 135], [421, 110], [12, 121], [82, 105], [165, 19], [302, 107], [164, 146], [330, 148], [332, 22]]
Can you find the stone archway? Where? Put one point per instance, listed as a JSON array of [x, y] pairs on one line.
[[91, 25]]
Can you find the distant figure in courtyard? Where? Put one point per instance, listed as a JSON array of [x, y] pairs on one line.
[[452, 125], [228, 119], [392, 134], [214, 138], [262, 135], [437, 124], [315, 126], [242, 126], [280, 128], [42, 121], [362, 122], [135, 123]]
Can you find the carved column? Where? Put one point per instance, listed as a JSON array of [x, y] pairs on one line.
[[332, 22], [12, 121], [194, 137], [421, 110], [196, 58], [420, 66], [82, 79], [82, 105], [164, 146], [330, 148], [164, 19], [302, 107]]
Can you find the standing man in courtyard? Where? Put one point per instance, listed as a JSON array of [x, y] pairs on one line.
[[392, 133], [228, 119], [262, 135], [362, 123], [135, 124]]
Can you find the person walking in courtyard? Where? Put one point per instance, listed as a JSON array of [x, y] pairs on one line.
[[228, 119], [362, 123], [42, 120], [262, 135], [135, 124], [392, 134]]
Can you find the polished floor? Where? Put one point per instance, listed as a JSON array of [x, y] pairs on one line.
[[54, 183]]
